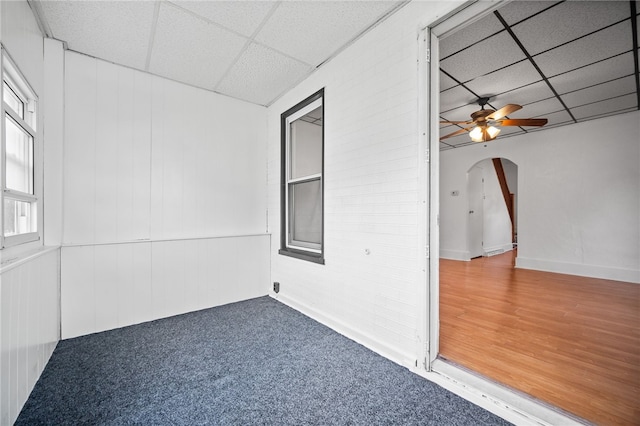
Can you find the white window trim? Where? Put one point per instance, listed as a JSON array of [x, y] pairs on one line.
[[290, 243], [299, 251], [21, 86]]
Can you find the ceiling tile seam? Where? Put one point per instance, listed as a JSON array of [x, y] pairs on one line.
[[250, 40], [589, 64], [202, 18], [607, 114], [152, 36], [634, 36], [254, 41], [596, 84], [162, 77], [498, 32], [472, 44], [584, 36], [602, 100], [537, 13], [535, 65], [380, 19], [459, 83]]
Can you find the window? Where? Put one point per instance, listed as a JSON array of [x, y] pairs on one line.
[[302, 133], [19, 196]]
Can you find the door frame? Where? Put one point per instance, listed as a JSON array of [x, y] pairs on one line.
[[511, 405]]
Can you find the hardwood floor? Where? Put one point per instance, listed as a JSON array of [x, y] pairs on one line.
[[571, 341]]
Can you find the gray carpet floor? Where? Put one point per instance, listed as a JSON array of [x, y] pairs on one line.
[[256, 362]]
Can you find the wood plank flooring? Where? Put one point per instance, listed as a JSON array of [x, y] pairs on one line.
[[571, 341]]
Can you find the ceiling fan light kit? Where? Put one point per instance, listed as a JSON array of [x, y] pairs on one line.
[[482, 124], [484, 133]]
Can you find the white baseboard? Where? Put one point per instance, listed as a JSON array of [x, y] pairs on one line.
[[593, 271], [499, 249], [406, 360], [454, 254]]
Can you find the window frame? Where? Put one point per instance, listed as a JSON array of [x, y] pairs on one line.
[[28, 123], [299, 250]]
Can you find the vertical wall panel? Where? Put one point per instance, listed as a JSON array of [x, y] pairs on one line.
[[77, 291], [106, 152], [53, 125], [29, 313], [140, 153], [124, 159], [79, 149]]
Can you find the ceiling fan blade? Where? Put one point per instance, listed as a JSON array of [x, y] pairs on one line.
[[456, 122], [456, 133], [523, 122], [504, 111]]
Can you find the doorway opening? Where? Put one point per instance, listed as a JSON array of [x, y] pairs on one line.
[[562, 348], [492, 192]]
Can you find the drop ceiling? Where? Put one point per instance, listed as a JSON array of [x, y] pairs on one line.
[[567, 61], [249, 50]]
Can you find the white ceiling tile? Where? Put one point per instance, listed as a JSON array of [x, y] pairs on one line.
[[243, 17], [312, 31], [505, 79], [554, 119], [261, 74], [462, 113], [619, 87], [605, 107], [189, 49], [510, 130], [456, 97], [518, 10], [469, 35], [496, 52], [524, 95], [568, 21], [600, 72], [598, 46], [538, 109], [117, 31]]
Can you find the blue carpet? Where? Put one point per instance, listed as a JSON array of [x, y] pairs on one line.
[[253, 362]]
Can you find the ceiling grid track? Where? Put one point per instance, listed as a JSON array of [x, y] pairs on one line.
[[634, 35], [535, 65], [567, 61]]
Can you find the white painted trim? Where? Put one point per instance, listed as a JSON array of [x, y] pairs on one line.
[[404, 359], [503, 247], [497, 399], [163, 240], [26, 257], [593, 271], [455, 254]]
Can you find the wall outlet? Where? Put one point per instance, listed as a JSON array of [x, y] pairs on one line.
[[276, 287]]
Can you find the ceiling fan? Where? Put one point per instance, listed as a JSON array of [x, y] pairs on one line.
[[482, 124]]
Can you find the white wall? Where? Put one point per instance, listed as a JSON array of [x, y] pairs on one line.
[[29, 277], [29, 327], [371, 190], [53, 130], [579, 197], [148, 159]]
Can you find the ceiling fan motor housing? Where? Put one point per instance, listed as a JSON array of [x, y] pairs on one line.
[[480, 116]]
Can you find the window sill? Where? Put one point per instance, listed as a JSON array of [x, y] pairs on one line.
[[309, 257]]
